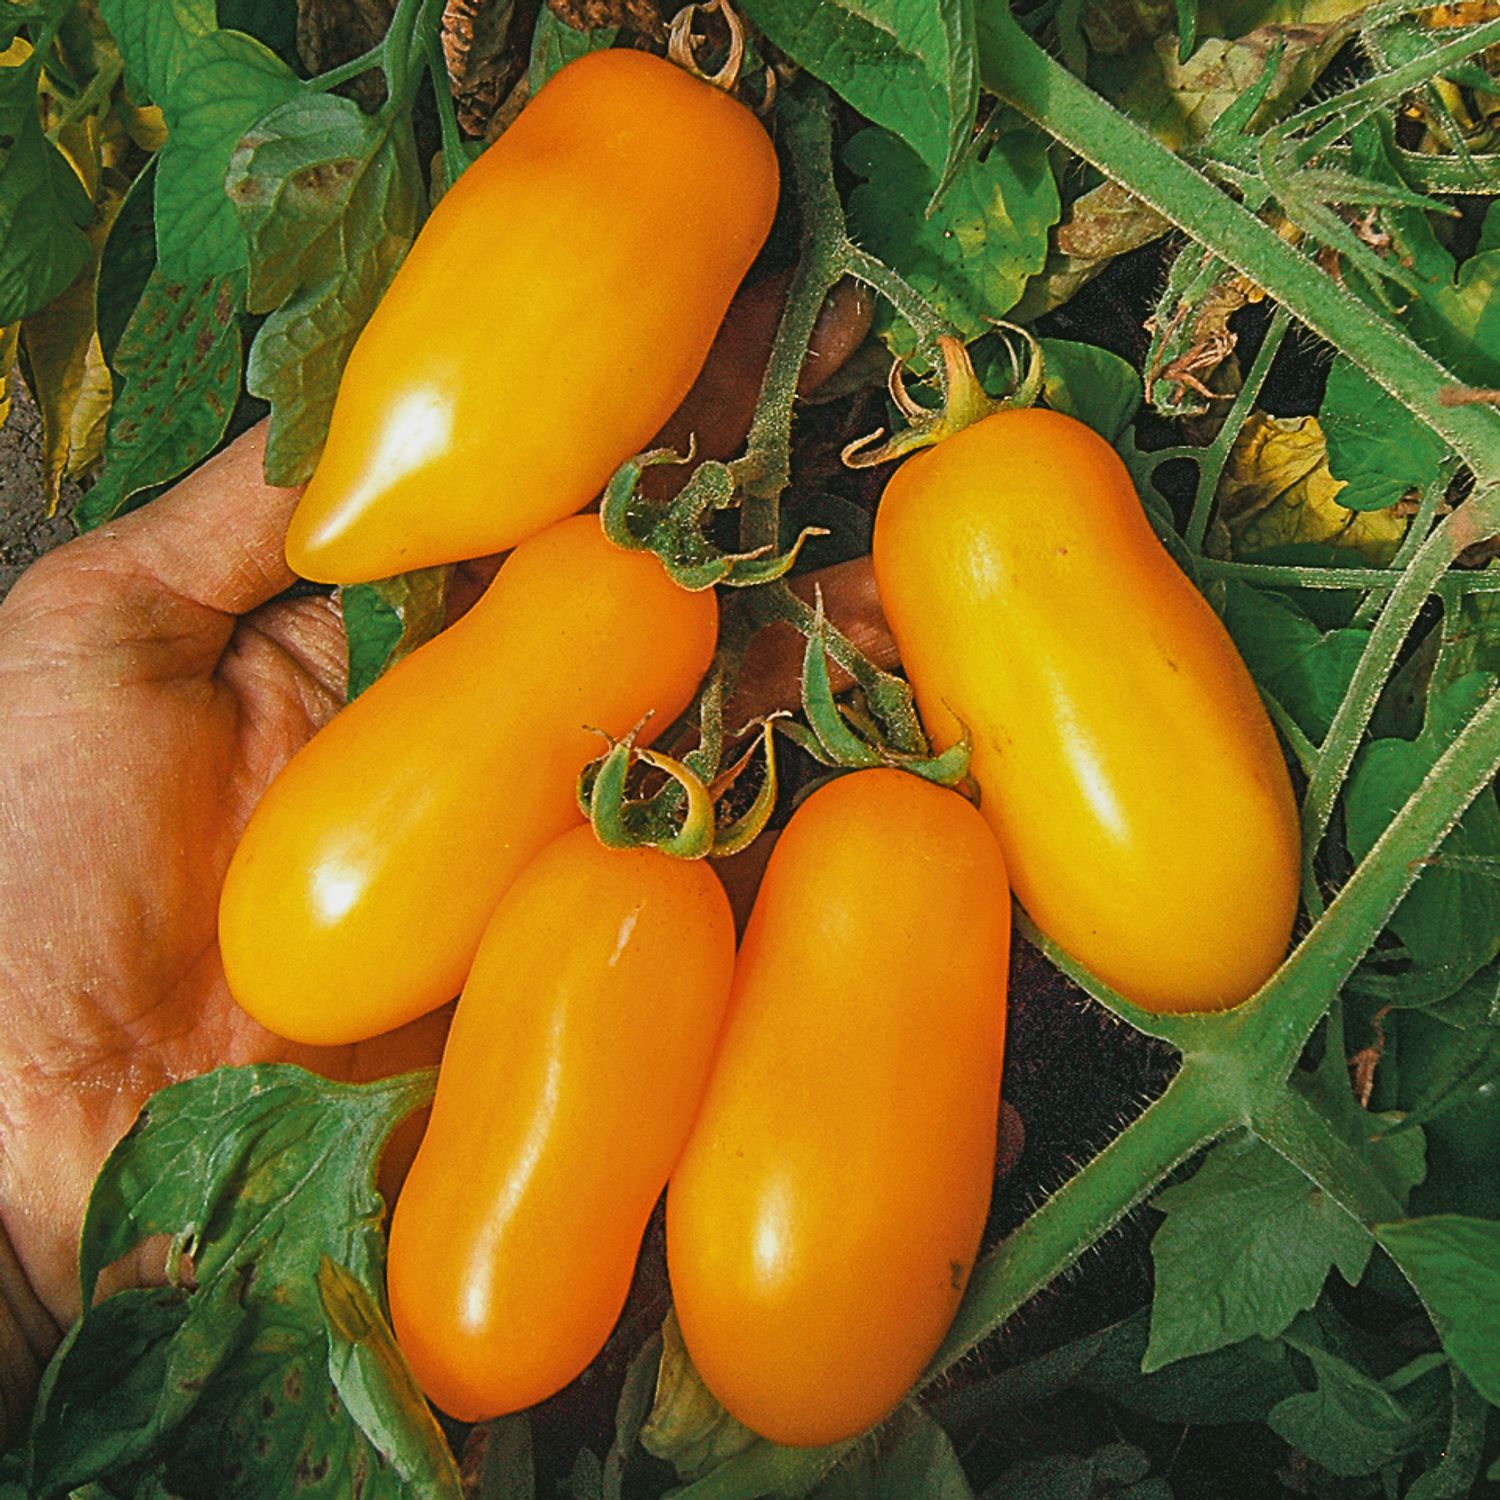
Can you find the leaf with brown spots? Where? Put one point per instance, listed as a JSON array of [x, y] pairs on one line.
[[242, 1385], [179, 358], [329, 199]]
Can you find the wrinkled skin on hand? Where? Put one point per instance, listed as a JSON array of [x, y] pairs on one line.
[[151, 685]]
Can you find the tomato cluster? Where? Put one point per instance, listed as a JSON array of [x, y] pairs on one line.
[[824, 1102]]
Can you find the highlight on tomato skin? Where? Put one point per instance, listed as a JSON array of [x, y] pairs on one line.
[[1126, 762], [578, 1056], [365, 877], [826, 1213], [551, 315]]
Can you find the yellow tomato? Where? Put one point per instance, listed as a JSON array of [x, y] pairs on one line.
[[1126, 762], [824, 1218], [358, 894], [577, 1059], [549, 318]]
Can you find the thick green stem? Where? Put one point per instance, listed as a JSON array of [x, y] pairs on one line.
[[1016, 69], [1411, 543], [1375, 580], [1281, 1017], [763, 474], [1472, 522], [1190, 1114]]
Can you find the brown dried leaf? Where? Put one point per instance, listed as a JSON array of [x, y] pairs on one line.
[[1105, 222], [333, 32], [587, 15]]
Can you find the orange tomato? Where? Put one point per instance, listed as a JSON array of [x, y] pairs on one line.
[[1126, 763], [359, 891], [824, 1218], [577, 1059], [549, 318]]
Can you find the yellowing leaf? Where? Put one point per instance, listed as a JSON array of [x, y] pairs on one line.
[[9, 338], [69, 375], [1277, 491]]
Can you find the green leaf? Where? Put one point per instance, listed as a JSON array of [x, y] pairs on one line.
[[1454, 1263], [373, 1382], [154, 37], [1451, 915], [1375, 445], [1092, 384], [1115, 1470], [554, 43], [1453, 1476], [128, 259], [330, 200], [911, 1456], [498, 1456], [179, 359], [972, 256], [1352, 1424], [909, 65], [386, 620], [1304, 669], [120, 1383], [225, 83], [262, 1369], [43, 205], [1247, 1244], [1239, 1383]]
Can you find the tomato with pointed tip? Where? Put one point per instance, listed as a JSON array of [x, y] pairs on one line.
[[577, 1059], [1125, 760], [358, 893], [552, 313], [826, 1213]]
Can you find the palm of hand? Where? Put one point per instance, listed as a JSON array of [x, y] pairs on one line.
[[143, 712]]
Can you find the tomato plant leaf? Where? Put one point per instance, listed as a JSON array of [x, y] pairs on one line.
[[373, 1381], [1305, 669], [43, 206], [125, 1359], [179, 360], [154, 37], [330, 200], [386, 620], [972, 255], [1375, 446], [1352, 1423], [1277, 491], [498, 1462], [258, 1174], [126, 264], [1452, 914], [1454, 1263], [909, 65], [226, 82], [554, 43], [912, 1455], [1247, 1244], [1092, 384]]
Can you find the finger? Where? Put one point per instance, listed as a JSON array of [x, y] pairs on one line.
[[215, 539]]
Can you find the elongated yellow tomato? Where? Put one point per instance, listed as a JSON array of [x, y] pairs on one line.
[[1126, 763], [826, 1212], [551, 315], [359, 891], [577, 1059]]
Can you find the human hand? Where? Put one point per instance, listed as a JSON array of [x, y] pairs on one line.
[[151, 686]]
